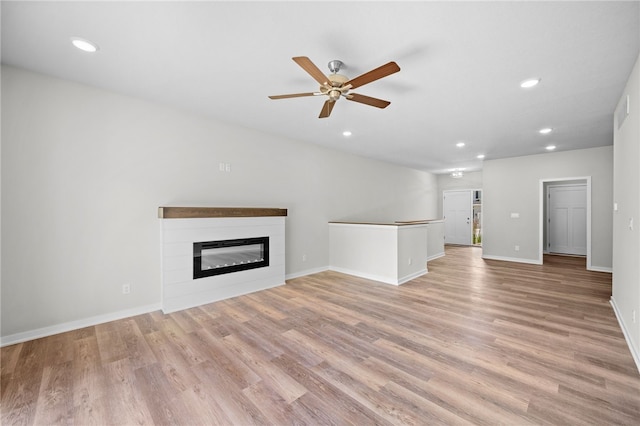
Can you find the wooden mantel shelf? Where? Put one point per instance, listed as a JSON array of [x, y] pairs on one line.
[[204, 212]]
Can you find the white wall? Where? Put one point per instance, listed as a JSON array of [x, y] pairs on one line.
[[626, 194], [512, 185], [84, 171]]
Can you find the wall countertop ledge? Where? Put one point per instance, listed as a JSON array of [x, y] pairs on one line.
[[396, 223], [206, 212]]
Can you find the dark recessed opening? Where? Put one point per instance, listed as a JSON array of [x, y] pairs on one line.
[[226, 256]]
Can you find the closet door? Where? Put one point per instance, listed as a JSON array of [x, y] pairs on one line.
[[457, 217], [568, 219]]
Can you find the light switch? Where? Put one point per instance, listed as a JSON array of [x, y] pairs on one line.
[[515, 215]]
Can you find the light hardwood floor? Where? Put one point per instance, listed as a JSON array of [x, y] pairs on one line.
[[471, 342]]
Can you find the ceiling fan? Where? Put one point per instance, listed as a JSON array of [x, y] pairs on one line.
[[336, 85]]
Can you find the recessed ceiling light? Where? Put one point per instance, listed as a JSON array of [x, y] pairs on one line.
[[84, 45], [545, 131], [529, 83], [480, 156], [550, 147], [346, 133], [460, 144]]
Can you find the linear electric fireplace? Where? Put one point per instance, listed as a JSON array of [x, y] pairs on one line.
[[225, 256], [201, 244]]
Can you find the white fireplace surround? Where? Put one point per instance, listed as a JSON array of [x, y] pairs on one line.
[[180, 231]]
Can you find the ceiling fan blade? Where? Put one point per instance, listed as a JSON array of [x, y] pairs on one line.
[[292, 95], [312, 69], [367, 100], [373, 75], [326, 109]]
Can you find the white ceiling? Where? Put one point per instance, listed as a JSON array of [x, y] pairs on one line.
[[461, 65]]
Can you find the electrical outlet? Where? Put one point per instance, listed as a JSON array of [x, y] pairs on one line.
[[517, 248], [633, 316], [126, 288], [410, 261], [304, 257]]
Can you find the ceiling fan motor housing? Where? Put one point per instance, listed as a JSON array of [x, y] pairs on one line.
[[334, 94], [336, 81]]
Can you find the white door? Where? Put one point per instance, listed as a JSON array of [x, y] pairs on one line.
[[456, 206], [567, 219]]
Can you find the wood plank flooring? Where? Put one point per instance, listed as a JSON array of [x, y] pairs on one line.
[[472, 342]]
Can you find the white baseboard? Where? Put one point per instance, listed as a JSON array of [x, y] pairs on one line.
[[306, 272], [75, 325], [512, 259], [600, 269], [536, 262], [625, 332], [435, 256], [379, 278], [366, 276], [410, 277]]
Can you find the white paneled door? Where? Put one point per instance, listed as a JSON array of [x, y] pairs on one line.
[[567, 219], [457, 217]]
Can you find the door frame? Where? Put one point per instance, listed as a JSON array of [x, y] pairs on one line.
[[541, 227]]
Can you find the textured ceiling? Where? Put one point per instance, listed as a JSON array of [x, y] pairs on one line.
[[461, 65]]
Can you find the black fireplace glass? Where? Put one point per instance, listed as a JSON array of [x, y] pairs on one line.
[[227, 256]]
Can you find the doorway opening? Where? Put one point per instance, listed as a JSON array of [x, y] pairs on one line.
[[565, 218], [462, 211]]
